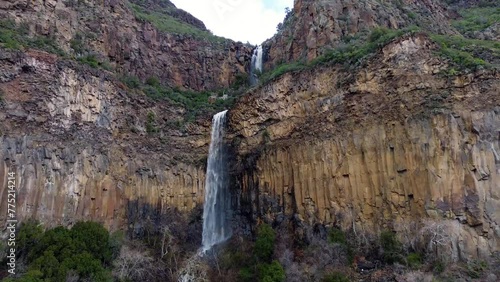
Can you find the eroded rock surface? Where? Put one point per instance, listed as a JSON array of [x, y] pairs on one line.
[[79, 145], [317, 26], [391, 142], [135, 47]]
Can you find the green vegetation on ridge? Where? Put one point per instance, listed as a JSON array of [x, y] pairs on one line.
[[477, 19], [13, 36], [195, 103], [464, 53], [350, 53], [169, 24]]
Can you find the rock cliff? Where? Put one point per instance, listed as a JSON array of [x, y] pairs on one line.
[[314, 27], [137, 38], [398, 136], [375, 147], [77, 140]]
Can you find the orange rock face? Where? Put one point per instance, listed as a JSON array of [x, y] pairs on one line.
[[371, 152]]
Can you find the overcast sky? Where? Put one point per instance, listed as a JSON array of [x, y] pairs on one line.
[[240, 20]]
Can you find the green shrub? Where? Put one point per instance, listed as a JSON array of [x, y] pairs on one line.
[[84, 251], [45, 43], [195, 103], [132, 82], [167, 23], [30, 276], [28, 235], [439, 267], [241, 80], [477, 19], [414, 260], [10, 37], [264, 245], [116, 240], [335, 277], [461, 51], [391, 247], [150, 123], [14, 36], [282, 69], [475, 269], [93, 238], [77, 44], [94, 62], [271, 272], [337, 236], [246, 274], [153, 81]]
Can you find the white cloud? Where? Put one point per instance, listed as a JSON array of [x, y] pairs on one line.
[[240, 20]]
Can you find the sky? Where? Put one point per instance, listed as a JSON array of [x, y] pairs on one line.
[[240, 20]]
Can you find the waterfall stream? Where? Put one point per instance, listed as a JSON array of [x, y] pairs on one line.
[[217, 206], [257, 58], [256, 65]]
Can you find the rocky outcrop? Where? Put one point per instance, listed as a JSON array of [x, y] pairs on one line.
[[77, 141], [135, 46], [374, 147], [317, 26]]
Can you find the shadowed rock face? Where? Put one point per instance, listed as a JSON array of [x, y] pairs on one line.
[[375, 147], [317, 26], [134, 47]]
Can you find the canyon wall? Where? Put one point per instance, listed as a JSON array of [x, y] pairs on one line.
[[314, 27], [77, 140], [114, 32], [377, 147]]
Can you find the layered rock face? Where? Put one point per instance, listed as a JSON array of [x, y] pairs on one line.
[[317, 26], [376, 147], [135, 47], [78, 143]]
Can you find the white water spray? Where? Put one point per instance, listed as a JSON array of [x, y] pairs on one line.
[[256, 65], [217, 206], [257, 59]]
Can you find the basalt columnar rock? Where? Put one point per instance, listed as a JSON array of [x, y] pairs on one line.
[[138, 38], [314, 27], [396, 137], [78, 142], [375, 147], [85, 146]]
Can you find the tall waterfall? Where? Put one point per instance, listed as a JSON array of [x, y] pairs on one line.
[[217, 207], [256, 64]]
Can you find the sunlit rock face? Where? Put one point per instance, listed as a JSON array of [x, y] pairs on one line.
[[318, 26], [376, 147]]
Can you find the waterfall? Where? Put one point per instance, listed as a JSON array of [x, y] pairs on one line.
[[256, 64], [257, 58], [217, 207]]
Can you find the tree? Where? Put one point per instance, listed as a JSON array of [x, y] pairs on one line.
[[264, 245], [133, 264], [30, 232], [439, 236], [93, 238], [271, 272]]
